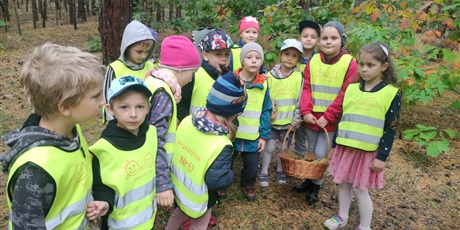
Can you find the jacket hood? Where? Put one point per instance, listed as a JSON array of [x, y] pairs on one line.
[[134, 32], [276, 72], [30, 136]]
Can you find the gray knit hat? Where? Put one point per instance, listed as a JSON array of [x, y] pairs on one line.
[[251, 46], [339, 27]]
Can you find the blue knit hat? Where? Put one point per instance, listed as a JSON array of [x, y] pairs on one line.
[[227, 96]]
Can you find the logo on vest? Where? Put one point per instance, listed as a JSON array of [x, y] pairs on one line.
[[329, 77], [183, 159], [132, 167], [252, 100], [365, 103], [282, 90], [80, 172]]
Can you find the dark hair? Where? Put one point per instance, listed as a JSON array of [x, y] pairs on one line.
[[381, 52]]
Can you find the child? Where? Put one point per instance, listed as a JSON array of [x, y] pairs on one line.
[[285, 82], [179, 61], [49, 165], [215, 48], [254, 123], [365, 134], [198, 172], [137, 46], [124, 159], [249, 32], [309, 36], [326, 77]]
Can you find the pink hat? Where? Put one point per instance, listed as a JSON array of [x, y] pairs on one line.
[[178, 52], [248, 22]]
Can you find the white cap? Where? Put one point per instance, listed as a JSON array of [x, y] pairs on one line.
[[292, 43]]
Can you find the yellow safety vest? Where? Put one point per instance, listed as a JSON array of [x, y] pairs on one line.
[[120, 69], [202, 85], [249, 120], [189, 165], [285, 92], [72, 174], [301, 66], [155, 84], [132, 175], [363, 119], [236, 52], [326, 80]]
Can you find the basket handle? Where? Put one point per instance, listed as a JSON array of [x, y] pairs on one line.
[[298, 123]]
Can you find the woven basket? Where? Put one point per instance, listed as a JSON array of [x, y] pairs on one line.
[[299, 167]]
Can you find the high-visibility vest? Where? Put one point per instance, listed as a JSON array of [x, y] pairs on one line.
[[249, 120], [285, 92], [301, 66], [155, 84], [326, 80], [121, 69], [236, 52], [193, 155], [73, 176], [202, 85], [131, 174], [363, 119]]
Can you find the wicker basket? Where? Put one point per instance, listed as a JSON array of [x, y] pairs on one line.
[[299, 167]]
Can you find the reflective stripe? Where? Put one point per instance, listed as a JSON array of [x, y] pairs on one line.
[[170, 137], [248, 129], [189, 184], [134, 195], [375, 122], [284, 115], [285, 102], [367, 138], [325, 89], [134, 220], [193, 109], [71, 210], [250, 115], [322, 103]]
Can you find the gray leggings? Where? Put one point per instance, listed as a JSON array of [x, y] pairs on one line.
[[317, 143]]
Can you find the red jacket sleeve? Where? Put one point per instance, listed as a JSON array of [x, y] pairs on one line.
[[306, 103], [334, 111]]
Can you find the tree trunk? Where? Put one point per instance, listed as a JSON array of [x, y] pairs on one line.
[[44, 14], [56, 5], [6, 13], [119, 11], [34, 13], [17, 17], [81, 10], [158, 11]]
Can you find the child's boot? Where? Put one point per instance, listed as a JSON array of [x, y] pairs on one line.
[[305, 186], [312, 194]]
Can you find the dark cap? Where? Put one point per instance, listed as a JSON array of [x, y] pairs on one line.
[[310, 24]]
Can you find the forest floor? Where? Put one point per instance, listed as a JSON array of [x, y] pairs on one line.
[[420, 192]]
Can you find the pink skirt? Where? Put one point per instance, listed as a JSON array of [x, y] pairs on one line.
[[352, 166]]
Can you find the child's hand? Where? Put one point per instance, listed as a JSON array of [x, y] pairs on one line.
[[377, 165], [309, 119], [166, 198], [96, 209], [261, 145], [322, 122]]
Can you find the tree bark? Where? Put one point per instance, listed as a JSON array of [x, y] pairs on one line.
[[34, 13], [114, 15], [6, 13], [81, 10], [17, 17], [44, 13]]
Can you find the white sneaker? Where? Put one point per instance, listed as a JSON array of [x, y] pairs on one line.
[[263, 180], [335, 222]]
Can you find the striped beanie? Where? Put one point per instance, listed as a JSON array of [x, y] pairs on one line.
[[227, 96]]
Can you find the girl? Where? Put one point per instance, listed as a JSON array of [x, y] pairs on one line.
[[197, 172], [365, 135], [285, 82], [254, 123], [326, 77]]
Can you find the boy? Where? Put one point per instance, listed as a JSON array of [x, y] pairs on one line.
[[309, 36], [137, 46], [215, 48], [124, 163], [49, 165]]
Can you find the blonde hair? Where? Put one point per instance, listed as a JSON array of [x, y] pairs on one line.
[[231, 127], [55, 74]]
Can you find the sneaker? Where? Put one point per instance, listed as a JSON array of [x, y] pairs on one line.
[[304, 186], [263, 180], [335, 222], [249, 193], [281, 178], [222, 194]]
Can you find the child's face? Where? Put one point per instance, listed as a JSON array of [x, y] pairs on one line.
[[289, 58], [216, 57], [330, 42], [252, 62], [249, 35], [130, 109], [184, 77], [370, 69], [309, 38], [138, 52], [88, 108]]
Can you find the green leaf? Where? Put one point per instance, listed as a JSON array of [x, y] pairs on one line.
[[437, 147], [425, 128], [455, 105], [428, 135], [450, 133]]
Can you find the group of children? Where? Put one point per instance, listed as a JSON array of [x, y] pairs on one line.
[[175, 128]]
